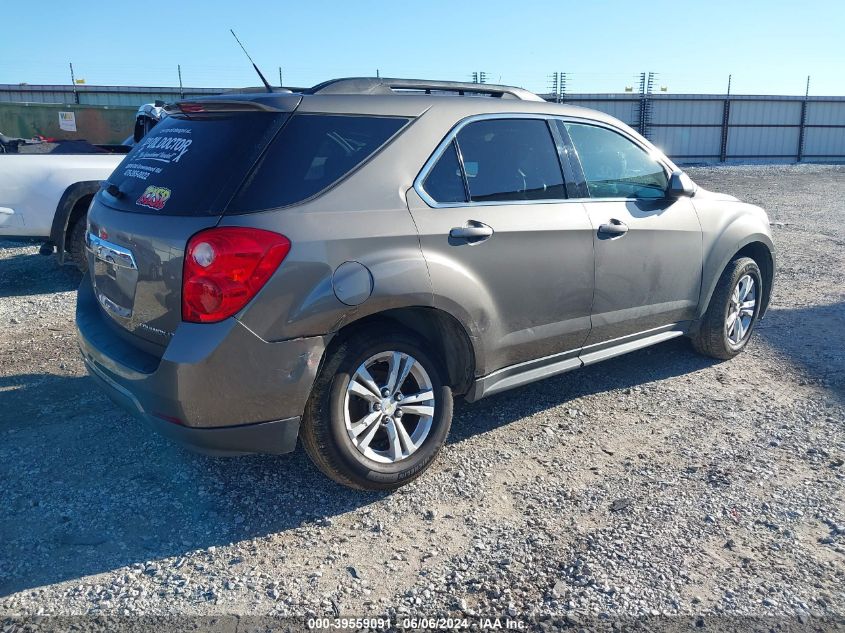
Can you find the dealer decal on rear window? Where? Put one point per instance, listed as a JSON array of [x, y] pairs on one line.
[[167, 147], [154, 197]]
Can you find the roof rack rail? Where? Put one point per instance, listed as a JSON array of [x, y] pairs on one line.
[[384, 85]]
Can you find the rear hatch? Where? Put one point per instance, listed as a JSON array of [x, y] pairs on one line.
[[174, 183]]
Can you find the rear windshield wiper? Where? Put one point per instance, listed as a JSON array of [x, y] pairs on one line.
[[112, 189]]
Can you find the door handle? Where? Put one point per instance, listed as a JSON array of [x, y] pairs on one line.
[[473, 232], [614, 227]]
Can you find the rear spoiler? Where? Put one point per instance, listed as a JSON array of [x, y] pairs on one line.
[[200, 107], [275, 102]]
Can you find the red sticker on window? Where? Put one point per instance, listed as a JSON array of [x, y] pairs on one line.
[[154, 197]]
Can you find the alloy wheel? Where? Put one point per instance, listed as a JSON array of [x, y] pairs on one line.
[[389, 407], [741, 310]]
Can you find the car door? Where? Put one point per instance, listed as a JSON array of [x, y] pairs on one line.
[[507, 252], [648, 248]]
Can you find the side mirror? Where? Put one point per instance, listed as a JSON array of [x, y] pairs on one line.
[[680, 185]]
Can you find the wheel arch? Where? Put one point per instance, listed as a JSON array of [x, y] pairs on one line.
[[761, 250], [445, 334], [72, 206]]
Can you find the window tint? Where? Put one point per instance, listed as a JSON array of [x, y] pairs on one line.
[[614, 166], [510, 159], [445, 183], [198, 161], [312, 152]]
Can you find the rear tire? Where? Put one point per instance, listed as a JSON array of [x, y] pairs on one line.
[[366, 441], [729, 321], [75, 244]]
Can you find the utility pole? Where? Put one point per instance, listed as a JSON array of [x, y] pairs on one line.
[[378, 74], [281, 83], [181, 91], [803, 127], [646, 88], [558, 86], [73, 84], [726, 119]]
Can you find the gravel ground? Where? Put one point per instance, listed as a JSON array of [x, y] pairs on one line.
[[659, 482]]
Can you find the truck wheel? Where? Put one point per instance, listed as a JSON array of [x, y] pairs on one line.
[[75, 244], [379, 412], [733, 311]]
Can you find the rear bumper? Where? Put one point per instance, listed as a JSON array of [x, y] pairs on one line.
[[218, 388]]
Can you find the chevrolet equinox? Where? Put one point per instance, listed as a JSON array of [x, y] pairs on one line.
[[337, 263]]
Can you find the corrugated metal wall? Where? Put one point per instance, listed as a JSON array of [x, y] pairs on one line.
[[718, 128], [689, 128], [97, 95]]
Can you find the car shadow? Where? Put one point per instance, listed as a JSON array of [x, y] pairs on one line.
[[818, 351], [672, 358], [88, 489], [812, 338], [34, 274], [85, 488]]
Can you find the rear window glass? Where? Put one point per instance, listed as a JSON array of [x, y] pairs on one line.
[[191, 166], [312, 152]]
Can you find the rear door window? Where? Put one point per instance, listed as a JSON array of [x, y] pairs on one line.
[[191, 166], [510, 159], [444, 182], [311, 153], [614, 166]]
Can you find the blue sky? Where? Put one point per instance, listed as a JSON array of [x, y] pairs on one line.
[[769, 47]]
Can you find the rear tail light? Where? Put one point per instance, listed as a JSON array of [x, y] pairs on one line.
[[225, 268]]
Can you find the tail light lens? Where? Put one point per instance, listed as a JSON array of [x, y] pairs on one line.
[[225, 268]]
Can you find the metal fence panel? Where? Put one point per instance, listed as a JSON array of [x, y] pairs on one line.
[[763, 142], [622, 109], [687, 112], [685, 143], [24, 96], [690, 128], [130, 96], [765, 112], [825, 113], [822, 141]]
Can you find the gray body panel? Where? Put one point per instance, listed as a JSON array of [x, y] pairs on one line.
[[147, 300], [727, 226], [546, 293], [527, 290], [649, 276], [210, 376]]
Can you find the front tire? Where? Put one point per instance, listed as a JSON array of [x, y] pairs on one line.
[[733, 311], [379, 412]]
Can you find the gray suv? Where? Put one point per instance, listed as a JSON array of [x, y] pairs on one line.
[[335, 264]]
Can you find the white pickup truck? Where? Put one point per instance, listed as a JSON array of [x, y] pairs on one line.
[[46, 196], [47, 187]]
